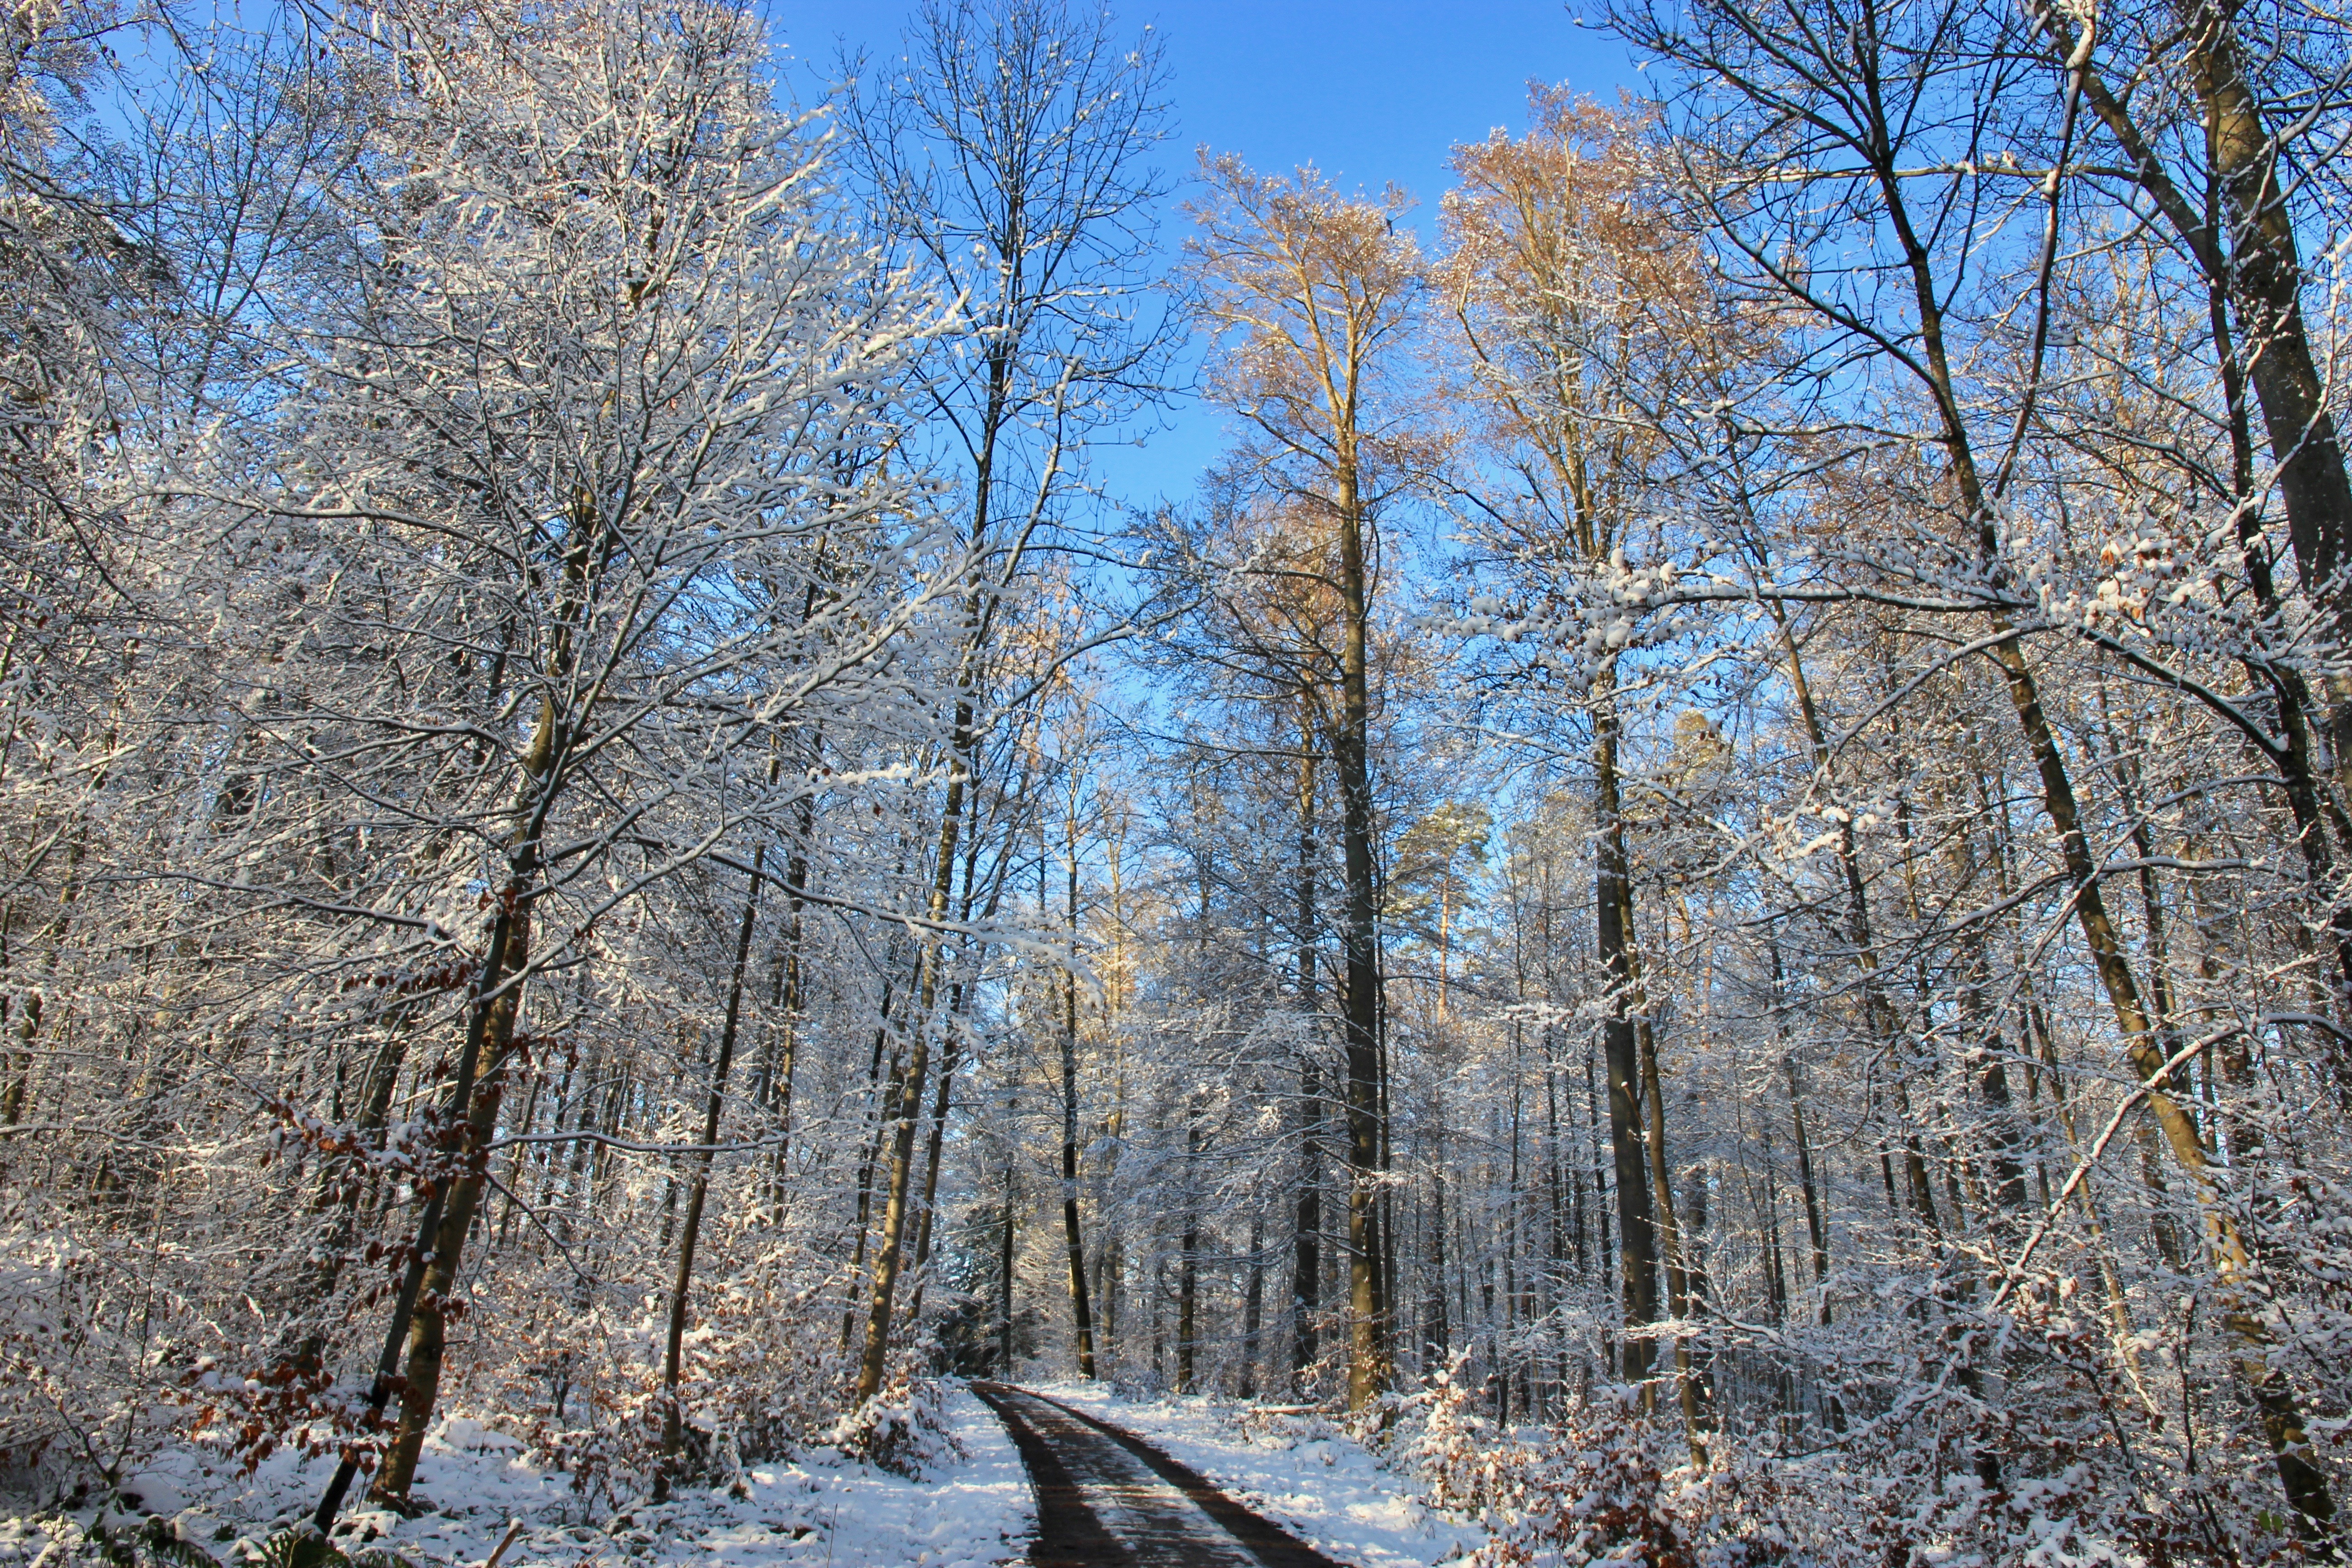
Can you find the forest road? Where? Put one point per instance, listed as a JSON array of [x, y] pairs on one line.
[[1106, 1499]]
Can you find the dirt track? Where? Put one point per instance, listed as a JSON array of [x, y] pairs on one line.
[[1106, 1499]]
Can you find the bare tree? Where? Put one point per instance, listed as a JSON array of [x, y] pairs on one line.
[[1313, 296], [1004, 154], [632, 540]]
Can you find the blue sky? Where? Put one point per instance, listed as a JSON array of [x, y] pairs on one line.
[[1368, 91]]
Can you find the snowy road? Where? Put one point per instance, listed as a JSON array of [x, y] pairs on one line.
[[1106, 1499]]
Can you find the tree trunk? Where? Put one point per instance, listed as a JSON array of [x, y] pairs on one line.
[[879, 1093], [1004, 1277], [791, 999], [422, 1307], [2258, 275], [2274, 1397], [1816, 1231], [497, 1002], [1307, 1267], [1613, 899], [951, 1060], [484, 1028], [962, 744], [906, 1112], [1368, 1372], [2265, 274], [1253, 1305], [1437, 1339], [1082, 1324], [672, 1421], [1188, 1267], [341, 1189], [1688, 1391]]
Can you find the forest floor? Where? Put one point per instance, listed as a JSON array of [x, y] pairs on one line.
[[972, 1508]]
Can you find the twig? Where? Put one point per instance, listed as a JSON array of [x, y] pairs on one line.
[[514, 1528]]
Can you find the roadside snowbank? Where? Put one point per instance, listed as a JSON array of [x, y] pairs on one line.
[[971, 1509], [1300, 1471]]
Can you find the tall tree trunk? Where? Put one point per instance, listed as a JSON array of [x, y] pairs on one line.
[[420, 1311], [1699, 1371], [1082, 1326], [1306, 1298], [486, 1031], [1368, 1372], [1307, 1265], [341, 1190], [2274, 1396], [1005, 1270], [1816, 1231], [1688, 1391], [1814, 1228], [1986, 1044], [1188, 1254], [2254, 271], [1436, 1337], [1606, 1258], [877, 1094], [2265, 274], [951, 1060], [962, 751], [489, 1042], [698, 1190], [905, 1114], [790, 1001], [1253, 1305], [1613, 899], [942, 1103]]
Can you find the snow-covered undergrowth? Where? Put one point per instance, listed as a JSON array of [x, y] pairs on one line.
[[1437, 1483], [1300, 1470], [1611, 1486], [971, 1508]]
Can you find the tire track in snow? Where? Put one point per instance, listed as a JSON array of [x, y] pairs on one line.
[[1106, 1499]]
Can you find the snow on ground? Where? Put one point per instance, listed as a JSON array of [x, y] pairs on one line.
[[1298, 1470], [971, 1509]]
